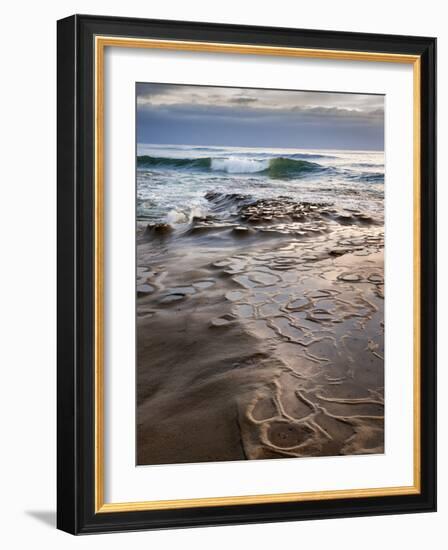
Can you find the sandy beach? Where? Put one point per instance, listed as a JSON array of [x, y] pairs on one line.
[[260, 334]]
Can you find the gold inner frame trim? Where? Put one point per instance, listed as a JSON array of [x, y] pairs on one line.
[[101, 42]]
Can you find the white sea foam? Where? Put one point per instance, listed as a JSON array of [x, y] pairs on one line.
[[174, 193], [238, 165], [186, 214]]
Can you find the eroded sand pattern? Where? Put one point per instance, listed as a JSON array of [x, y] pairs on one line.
[[260, 333]]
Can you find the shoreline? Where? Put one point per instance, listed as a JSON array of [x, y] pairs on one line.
[[264, 342]]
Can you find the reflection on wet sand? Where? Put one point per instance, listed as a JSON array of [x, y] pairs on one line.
[[260, 335]]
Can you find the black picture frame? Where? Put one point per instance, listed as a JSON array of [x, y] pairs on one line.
[[76, 512]]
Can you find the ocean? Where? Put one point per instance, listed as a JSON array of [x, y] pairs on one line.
[[174, 181], [260, 303]]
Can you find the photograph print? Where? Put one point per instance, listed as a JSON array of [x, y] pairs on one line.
[[259, 274]]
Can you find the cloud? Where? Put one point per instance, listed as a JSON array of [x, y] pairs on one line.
[[173, 113], [145, 89], [316, 103], [243, 100], [241, 111], [320, 110]]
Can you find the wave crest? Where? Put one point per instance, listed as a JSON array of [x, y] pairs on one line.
[[274, 167], [238, 165]]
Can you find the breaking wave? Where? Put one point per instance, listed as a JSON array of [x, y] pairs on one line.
[[272, 167]]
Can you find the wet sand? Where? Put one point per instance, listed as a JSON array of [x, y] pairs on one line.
[[260, 336]]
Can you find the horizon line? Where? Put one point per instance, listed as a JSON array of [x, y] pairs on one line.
[[258, 147]]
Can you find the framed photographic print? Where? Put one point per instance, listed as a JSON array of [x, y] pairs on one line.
[[246, 264]]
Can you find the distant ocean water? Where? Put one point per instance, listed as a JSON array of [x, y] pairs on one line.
[[173, 180]]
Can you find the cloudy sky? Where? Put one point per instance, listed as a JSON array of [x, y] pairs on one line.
[[249, 117]]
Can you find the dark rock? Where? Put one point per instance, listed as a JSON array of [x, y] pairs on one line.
[[241, 231], [158, 230]]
